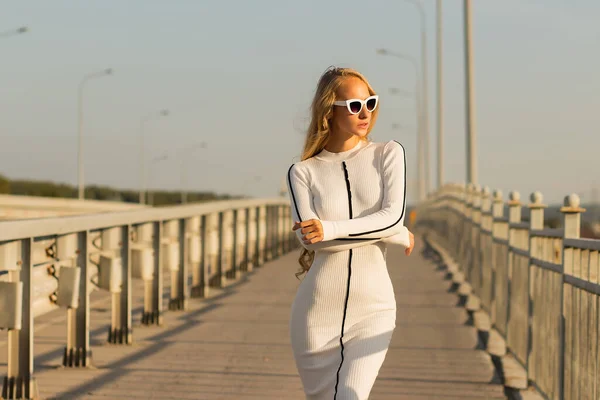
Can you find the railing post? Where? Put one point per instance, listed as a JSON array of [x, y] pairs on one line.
[[220, 278], [77, 353], [287, 228], [194, 241], [514, 216], [179, 301], [461, 208], [247, 248], [117, 278], [475, 264], [572, 230], [536, 222], [156, 316], [172, 258], [268, 233], [497, 216], [465, 263], [486, 245], [235, 272], [145, 251], [201, 290], [20, 382], [466, 236], [125, 333], [273, 233], [280, 237], [261, 227], [212, 250], [228, 247]]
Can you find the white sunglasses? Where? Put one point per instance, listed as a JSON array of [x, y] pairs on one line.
[[355, 105]]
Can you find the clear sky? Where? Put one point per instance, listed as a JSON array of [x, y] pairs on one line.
[[240, 75]]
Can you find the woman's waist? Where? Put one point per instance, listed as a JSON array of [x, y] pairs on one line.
[[363, 278], [375, 252]]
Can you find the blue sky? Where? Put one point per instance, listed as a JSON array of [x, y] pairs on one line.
[[239, 75]]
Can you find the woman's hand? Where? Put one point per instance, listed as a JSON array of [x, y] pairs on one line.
[[311, 229], [409, 249]]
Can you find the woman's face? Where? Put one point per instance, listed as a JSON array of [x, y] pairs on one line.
[[344, 123]]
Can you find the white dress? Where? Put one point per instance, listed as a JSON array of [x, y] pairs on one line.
[[344, 312]]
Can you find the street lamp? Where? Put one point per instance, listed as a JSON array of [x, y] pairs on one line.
[[86, 78], [440, 98], [156, 114], [470, 98], [187, 152], [14, 32]]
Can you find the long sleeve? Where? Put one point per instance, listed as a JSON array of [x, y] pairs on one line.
[[341, 245], [389, 220], [303, 209]]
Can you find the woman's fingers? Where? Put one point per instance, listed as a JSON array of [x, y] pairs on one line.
[[303, 224], [312, 230], [313, 240], [308, 227], [313, 235]]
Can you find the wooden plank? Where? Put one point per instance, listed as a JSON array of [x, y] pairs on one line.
[[515, 375], [593, 345], [482, 321], [568, 340], [496, 344]]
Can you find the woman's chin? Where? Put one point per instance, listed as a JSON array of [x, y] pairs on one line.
[[361, 133]]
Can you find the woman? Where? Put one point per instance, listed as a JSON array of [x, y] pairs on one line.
[[348, 200]]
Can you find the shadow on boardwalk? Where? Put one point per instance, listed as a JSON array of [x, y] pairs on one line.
[[235, 345]]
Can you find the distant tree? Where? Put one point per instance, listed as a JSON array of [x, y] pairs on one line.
[[92, 192], [4, 184]]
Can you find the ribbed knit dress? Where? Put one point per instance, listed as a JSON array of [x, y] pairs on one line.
[[344, 312]]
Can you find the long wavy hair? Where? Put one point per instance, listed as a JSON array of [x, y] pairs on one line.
[[319, 129]]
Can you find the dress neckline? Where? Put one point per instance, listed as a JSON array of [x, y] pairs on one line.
[[342, 155]]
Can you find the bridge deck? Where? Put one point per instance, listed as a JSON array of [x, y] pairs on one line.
[[235, 345]]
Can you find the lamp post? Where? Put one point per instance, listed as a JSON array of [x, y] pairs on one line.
[[156, 114], [470, 98], [86, 78], [440, 97]]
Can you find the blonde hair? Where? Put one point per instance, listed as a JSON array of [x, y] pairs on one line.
[[319, 128]]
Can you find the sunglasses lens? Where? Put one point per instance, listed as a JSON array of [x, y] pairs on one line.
[[371, 103], [355, 106]]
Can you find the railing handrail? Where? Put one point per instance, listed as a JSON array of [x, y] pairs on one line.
[[58, 261], [49, 226], [539, 286]]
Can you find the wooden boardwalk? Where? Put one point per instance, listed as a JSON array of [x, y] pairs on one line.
[[235, 345]]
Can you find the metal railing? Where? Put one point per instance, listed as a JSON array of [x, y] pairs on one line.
[[49, 263], [540, 286]]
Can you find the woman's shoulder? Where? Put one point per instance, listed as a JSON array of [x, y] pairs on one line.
[[302, 165], [391, 147], [300, 169]]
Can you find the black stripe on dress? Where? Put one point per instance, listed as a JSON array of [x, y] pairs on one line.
[[337, 379], [403, 202]]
